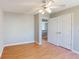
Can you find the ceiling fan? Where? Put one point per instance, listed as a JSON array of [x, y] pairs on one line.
[[48, 5]]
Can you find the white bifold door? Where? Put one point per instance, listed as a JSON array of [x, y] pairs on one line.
[[60, 31], [52, 29]]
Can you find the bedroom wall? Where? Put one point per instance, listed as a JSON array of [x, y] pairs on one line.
[[1, 32], [19, 28]]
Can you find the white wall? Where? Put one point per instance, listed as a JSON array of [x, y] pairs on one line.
[[1, 32], [19, 28], [36, 28]]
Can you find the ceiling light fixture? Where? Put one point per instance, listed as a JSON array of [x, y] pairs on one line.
[[48, 10], [40, 10], [47, 6]]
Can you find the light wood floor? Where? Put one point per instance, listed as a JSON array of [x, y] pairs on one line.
[[32, 51]]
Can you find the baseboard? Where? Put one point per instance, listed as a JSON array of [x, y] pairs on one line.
[[1, 53], [18, 43], [52, 43], [75, 51]]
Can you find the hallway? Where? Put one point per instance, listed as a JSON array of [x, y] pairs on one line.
[[30, 51]]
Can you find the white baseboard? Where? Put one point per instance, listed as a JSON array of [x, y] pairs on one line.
[[18, 43], [15, 44], [75, 51], [1, 52], [52, 43], [0, 55]]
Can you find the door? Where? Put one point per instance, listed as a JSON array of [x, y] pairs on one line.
[[52, 31], [67, 31], [60, 40], [60, 31]]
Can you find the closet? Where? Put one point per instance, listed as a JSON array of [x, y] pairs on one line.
[[60, 31]]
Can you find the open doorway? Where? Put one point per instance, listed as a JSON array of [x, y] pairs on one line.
[[41, 28], [44, 30]]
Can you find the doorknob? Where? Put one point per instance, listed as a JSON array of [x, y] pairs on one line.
[[58, 32]]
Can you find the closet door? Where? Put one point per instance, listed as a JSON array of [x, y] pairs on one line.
[[59, 33], [67, 31], [52, 31]]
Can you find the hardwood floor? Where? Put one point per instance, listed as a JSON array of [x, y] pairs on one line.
[[32, 51]]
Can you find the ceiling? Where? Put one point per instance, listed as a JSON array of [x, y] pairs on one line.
[[30, 6]]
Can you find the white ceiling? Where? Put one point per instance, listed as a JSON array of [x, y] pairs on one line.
[[29, 6]]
